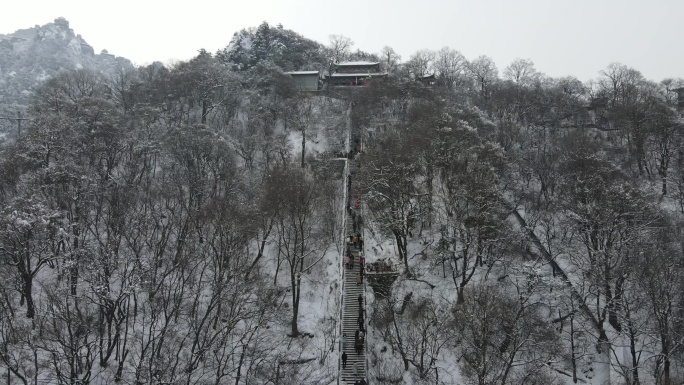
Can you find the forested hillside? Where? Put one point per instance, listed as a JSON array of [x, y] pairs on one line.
[[183, 223], [537, 221]]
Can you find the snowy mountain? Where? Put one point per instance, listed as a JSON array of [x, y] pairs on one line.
[[282, 47], [30, 56]]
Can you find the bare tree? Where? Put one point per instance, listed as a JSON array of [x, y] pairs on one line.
[[420, 63], [620, 82], [473, 214], [297, 226], [606, 216], [502, 336], [338, 50], [301, 114], [660, 277], [19, 350], [670, 85], [483, 72], [664, 137], [449, 66], [390, 59], [390, 191], [415, 328], [30, 240], [522, 72], [71, 342]]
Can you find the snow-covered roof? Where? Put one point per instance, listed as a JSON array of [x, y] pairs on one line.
[[302, 73], [357, 63], [358, 74]]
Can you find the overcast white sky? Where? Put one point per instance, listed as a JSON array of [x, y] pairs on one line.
[[562, 37]]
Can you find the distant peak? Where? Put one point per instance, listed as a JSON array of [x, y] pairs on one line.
[[62, 22]]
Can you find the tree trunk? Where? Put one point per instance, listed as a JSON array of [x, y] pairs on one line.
[[278, 262], [461, 296], [238, 375], [400, 343], [73, 270], [296, 285], [573, 358], [666, 371], [297, 288], [294, 330], [303, 146], [603, 359], [401, 248], [120, 367], [665, 353], [613, 303], [635, 357], [28, 294], [260, 253]]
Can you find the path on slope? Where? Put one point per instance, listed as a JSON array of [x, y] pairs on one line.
[[353, 309]]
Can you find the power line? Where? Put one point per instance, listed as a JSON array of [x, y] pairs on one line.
[[17, 119]]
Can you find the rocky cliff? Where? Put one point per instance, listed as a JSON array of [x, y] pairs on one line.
[[30, 56]]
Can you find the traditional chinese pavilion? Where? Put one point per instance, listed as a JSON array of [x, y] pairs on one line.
[[354, 73]]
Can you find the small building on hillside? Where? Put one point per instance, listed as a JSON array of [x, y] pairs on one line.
[[680, 96], [428, 80], [306, 80], [351, 74], [596, 112]]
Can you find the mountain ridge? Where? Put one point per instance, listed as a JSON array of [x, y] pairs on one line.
[[30, 56]]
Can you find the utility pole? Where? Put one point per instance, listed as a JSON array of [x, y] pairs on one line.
[[18, 119]]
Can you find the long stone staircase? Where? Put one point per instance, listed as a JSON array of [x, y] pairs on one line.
[[356, 363]]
